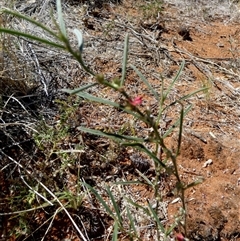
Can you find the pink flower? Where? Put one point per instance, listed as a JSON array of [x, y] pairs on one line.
[[136, 101], [179, 237]]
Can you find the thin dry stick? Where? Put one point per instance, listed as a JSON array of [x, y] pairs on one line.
[[49, 226], [204, 60], [52, 217]]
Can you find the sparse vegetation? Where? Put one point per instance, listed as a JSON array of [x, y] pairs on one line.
[[152, 9], [99, 159]]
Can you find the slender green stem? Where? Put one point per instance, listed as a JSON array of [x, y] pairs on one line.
[[78, 56]]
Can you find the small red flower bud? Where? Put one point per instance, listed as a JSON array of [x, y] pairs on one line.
[[179, 237], [136, 101]]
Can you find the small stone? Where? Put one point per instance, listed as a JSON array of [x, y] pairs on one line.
[[208, 163]]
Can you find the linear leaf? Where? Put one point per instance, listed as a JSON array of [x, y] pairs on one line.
[[79, 38], [174, 80], [109, 135], [115, 232], [176, 124], [107, 102], [193, 93], [75, 91], [145, 178], [185, 97], [16, 14], [195, 183], [100, 199], [60, 19], [159, 224], [29, 36], [180, 129], [125, 57], [138, 206], [170, 229], [115, 205], [97, 99], [132, 225], [128, 183], [141, 147], [146, 82]]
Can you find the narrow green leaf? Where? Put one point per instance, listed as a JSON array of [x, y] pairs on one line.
[[145, 178], [156, 95], [125, 57], [174, 81], [115, 232], [128, 183], [100, 199], [97, 99], [193, 93], [138, 206], [170, 229], [195, 183], [132, 225], [60, 19], [32, 37], [97, 133], [31, 20], [75, 91], [141, 147], [176, 124], [159, 224], [185, 97], [107, 102], [115, 205], [180, 129], [109, 135]]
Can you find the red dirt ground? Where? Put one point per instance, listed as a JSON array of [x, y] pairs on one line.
[[213, 206], [213, 130]]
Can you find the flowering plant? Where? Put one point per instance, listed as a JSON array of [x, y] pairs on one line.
[[158, 151]]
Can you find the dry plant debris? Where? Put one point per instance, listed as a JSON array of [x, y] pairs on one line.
[[203, 33]]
